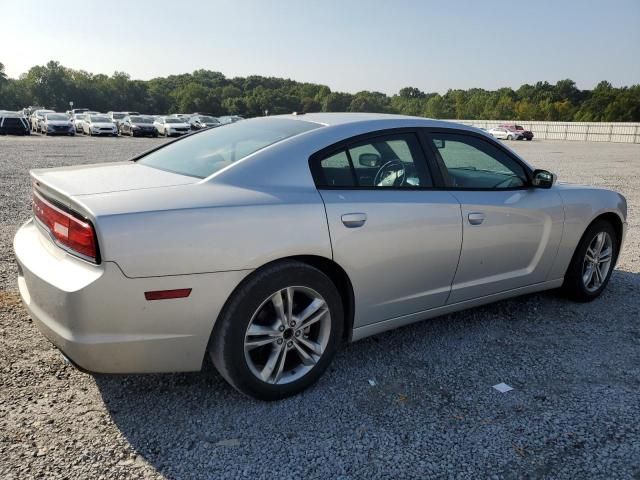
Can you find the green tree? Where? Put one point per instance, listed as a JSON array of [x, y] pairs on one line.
[[336, 102], [53, 85]]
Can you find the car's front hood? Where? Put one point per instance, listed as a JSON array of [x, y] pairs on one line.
[[59, 123], [102, 125], [143, 125], [176, 125], [105, 178]]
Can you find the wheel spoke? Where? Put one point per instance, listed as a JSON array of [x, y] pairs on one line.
[[267, 371], [289, 306], [259, 342], [588, 276], [597, 280], [313, 346], [261, 330], [304, 356], [313, 318], [590, 256], [279, 306], [281, 362], [312, 308], [599, 243], [605, 255]]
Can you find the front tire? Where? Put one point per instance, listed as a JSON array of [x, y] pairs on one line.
[[279, 331], [592, 263]]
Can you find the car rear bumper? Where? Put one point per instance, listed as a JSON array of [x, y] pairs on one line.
[[101, 320]]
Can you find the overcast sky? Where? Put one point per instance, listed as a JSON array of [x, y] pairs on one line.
[[347, 44]]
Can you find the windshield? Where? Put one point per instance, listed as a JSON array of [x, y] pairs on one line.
[[99, 119], [173, 120], [205, 153], [141, 120], [57, 116], [118, 116], [209, 120]]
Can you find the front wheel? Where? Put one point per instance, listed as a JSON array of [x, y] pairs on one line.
[[279, 331], [592, 263]]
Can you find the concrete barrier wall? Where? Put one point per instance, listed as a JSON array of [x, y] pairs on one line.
[[621, 132]]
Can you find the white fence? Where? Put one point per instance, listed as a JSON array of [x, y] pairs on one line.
[[623, 132]]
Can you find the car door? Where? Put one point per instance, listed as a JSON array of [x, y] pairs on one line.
[[397, 237], [511, 230]]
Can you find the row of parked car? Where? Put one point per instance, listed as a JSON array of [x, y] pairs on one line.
[[85, 121]]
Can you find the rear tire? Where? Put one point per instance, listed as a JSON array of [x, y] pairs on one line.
[[586, 280], [298, 353], [509, 137]]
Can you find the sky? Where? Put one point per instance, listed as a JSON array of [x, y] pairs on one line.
[[349, 45]]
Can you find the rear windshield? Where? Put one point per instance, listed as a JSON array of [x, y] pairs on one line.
[[11, 122], [205, 153]]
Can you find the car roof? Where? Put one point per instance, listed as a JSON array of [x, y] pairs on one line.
[[336, 127], [345, 118]]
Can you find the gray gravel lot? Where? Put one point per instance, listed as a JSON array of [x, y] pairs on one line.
[[575, 368]]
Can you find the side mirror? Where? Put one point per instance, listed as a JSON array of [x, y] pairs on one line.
[[369, 160], [543, 179], [439, 142]]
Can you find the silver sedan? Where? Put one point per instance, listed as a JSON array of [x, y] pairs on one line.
[[266, 243]]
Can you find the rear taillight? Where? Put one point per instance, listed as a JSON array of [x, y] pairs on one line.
[[68, 231]]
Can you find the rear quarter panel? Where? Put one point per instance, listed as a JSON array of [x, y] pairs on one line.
[[207, 228]]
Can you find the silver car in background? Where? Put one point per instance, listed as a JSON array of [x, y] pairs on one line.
[[98, 124], [172, 126], [266, 243], [57, 124], [504, 134]]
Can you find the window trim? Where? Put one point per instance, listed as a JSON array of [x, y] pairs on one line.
[[436, 158], [344, 145]]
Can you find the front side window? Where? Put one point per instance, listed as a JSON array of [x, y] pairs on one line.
[[205, 153], [389, 161], [473, 163]]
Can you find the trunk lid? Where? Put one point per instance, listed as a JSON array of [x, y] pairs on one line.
[[105, 178]]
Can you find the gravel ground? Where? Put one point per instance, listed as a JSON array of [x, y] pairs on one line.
[[431, 412]]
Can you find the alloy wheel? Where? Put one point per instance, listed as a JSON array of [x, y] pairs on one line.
[[597, 261], [287, 335]]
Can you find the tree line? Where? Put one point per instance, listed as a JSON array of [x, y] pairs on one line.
[[54, 85]]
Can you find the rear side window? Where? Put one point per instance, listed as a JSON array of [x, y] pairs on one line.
[[386, 161], [205, 153]]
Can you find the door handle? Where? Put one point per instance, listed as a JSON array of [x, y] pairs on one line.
[[476, 218], [354, 220]]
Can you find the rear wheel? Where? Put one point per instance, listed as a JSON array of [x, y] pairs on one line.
[[279, 331], [592, 263], [509, 137]]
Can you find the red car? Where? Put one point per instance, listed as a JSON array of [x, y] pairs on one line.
[[526, 134]]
